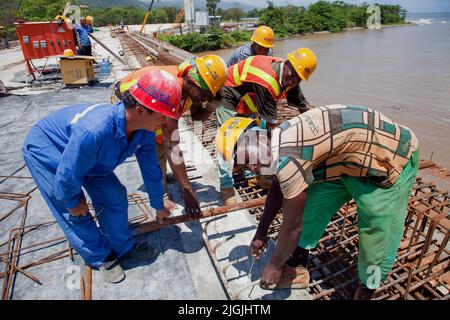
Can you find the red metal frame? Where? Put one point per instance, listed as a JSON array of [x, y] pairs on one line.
[[43, 39]]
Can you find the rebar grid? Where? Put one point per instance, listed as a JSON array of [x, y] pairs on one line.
[[14, 249], [421, 271]]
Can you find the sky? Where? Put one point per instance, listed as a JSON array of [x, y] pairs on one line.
[[410, 5]]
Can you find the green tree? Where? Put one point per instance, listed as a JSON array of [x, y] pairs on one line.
[[392, 14], [8, 12], [40, 10], [211, 5], [158, 16], [274, 17], [254, 13], [113, 15], [234, 14], [172, 13]]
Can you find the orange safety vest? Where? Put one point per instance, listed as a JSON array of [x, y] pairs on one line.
[[131, 79], [256, 69]]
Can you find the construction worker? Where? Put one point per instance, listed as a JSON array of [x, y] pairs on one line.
[[253, 88], [200, 79], [262, 44], [82, 31], [4, 37], [79, 146], [320, 160]]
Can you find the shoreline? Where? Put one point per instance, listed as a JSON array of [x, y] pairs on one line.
[[406, 24]]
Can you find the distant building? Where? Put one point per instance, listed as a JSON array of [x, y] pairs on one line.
[[201, 18], [248, 23], [214, 20], [189, 12]]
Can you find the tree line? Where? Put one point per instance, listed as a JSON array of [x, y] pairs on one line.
[[285, 20], [324, 16]]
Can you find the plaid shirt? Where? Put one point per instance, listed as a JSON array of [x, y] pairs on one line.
[[328, 142]]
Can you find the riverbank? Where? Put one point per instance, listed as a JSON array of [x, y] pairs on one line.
[[296, 36], [406, 24], [379, 69]]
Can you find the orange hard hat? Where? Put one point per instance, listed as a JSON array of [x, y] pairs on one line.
[[159, 91]]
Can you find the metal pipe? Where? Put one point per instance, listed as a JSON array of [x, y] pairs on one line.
[[152, 51], [106, 48], [88, 283], [155, 225], [214, 260], [27, 274]]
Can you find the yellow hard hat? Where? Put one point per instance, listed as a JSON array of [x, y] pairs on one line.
[[228, 136], [62, 18], [213, 71], [263, 36], [68, 53], [89, 19], [304, 62]]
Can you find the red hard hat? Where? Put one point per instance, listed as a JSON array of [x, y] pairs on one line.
[[159, 91]]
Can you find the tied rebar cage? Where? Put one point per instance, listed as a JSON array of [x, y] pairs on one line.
[[421, 271]]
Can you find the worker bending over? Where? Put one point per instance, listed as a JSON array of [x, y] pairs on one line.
[[322, 159], [262, 44], [79, 146], [200, 80], [252, 90]]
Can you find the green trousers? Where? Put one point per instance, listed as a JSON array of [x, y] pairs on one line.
[[381, 218]]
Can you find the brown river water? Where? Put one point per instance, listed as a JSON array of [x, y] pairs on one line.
[[403, 72]]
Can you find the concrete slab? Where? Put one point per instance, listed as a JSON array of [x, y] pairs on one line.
[[182, 270], [13, 71]]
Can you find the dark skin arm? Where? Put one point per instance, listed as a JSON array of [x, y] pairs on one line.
[[296, 99], [272, 206], [288, 237], [171, 144], [267, 105]]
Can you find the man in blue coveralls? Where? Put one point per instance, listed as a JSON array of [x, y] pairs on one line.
[[82, 33], [79, 146]]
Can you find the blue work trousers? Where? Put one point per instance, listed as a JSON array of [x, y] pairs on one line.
[[109, 198]]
